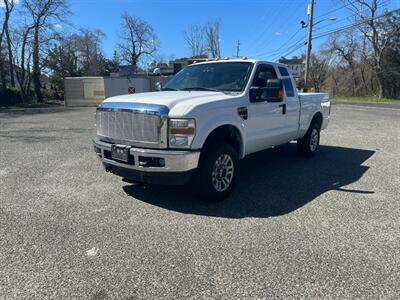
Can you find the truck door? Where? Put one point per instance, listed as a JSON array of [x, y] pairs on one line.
[[267, 125], [292, 116]]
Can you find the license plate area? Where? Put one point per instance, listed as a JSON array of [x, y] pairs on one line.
[[120, 153]]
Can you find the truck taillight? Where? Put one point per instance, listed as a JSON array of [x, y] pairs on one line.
[[281, 93]]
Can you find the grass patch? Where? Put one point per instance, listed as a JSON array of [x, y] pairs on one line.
[[366, 100]]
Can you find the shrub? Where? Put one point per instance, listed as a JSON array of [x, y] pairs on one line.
[[10, 97], [51, 94], [47, 95]]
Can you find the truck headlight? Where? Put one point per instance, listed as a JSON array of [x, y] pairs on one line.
[[181, 132]]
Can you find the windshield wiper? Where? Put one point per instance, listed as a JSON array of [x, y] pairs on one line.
[[169, 89], [200, 88]]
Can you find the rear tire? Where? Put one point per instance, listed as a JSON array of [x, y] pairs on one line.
[[309, 144], [217, 172]]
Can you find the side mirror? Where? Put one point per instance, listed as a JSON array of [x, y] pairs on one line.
[[255, 94], [158, 86], [273, 92]]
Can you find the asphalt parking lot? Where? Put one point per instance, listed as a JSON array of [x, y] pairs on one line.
[[326, 227]]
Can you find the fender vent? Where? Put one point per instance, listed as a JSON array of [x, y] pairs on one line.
[[242, 111]]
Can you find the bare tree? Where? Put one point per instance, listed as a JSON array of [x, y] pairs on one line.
[[88, 46], [43, 13], [195, 38], [366, 68], [332, 81], [2, 71], [391, 61], [22, 48], [137, 39], [374, 30], [60, 62], [213, 40], [2, 62], [8, 8], [346, 47], [318, 70]]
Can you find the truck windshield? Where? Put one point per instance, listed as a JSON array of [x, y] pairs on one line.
[[222, 76]]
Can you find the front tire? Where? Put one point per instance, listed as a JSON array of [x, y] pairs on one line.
[[309, 144], [217, 173]]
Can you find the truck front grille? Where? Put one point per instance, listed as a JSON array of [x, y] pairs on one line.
[[128, 126]]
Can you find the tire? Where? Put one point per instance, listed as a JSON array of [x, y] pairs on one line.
[[217, 172], [309, 144]]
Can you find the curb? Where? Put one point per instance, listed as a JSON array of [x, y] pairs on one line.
[[32, 109]]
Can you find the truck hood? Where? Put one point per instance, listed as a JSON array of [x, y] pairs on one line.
[[179, 103]]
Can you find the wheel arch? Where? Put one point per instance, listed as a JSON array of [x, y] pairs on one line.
[[226, 133], [318, 118]]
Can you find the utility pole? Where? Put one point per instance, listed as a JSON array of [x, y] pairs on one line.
[[238, 49], [310, 13]]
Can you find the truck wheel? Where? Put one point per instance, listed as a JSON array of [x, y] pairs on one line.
[[309, 144], [217, 172]]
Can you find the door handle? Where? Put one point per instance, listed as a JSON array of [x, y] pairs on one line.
[[283, 108]]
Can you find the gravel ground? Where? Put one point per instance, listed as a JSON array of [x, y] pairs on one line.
[[326, 227]]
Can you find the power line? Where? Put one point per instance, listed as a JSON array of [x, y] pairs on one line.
[[298, 47], [330, 24], [287, 42], [351, 3], [284, 44], [300, 43], [291, 38], [256, 40], [292, 48], [323, 34], [260, 37], [355, 24], [334, 10], [273, 52]]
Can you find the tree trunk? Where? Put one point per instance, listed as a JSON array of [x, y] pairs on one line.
[[2, 62], [353, 74], [381, 82], [364, 81], [10, 56], [20, 71], [36, 67], [2, 73], [134, 61]]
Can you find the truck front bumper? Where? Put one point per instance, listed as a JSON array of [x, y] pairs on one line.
[[150, 165]]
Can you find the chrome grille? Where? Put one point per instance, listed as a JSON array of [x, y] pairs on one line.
[[129, 126]]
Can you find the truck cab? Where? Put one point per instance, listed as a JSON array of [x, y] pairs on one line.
[[204, 120]]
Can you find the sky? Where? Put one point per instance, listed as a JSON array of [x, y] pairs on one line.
[[265, 28]]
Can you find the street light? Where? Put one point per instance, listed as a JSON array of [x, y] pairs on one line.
[[305, 25], [327, 19]]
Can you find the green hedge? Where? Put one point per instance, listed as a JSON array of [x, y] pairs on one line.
[[10, 97]]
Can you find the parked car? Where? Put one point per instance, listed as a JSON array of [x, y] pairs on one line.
[[204, 120]]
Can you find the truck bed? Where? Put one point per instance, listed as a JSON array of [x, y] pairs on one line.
[[322, 97], [309, 102]]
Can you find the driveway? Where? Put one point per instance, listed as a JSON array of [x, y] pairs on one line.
[[326, 227]]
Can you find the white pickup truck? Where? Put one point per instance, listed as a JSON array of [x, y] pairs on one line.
[[204, 120]]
